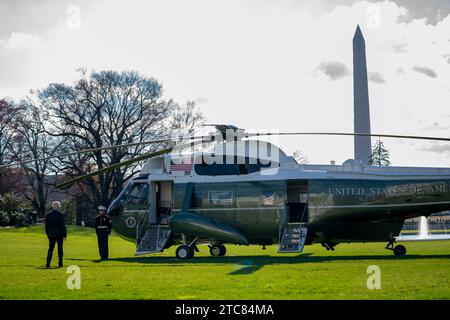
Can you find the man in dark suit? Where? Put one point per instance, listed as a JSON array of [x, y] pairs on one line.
[[55, 228]]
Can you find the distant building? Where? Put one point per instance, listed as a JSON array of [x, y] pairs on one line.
[[363, 146]]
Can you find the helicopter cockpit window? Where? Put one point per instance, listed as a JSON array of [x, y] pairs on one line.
[[137, 194], [234, 168]]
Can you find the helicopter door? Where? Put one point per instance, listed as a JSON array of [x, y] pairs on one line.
[[298, 211], [160, 201], [297, 201], [303, 201]]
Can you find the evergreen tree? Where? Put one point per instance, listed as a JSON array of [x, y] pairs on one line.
[[380, 155]]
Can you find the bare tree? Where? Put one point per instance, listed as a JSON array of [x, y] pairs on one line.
[[109, 108], [9, 177], [30, 142], [186, 119]]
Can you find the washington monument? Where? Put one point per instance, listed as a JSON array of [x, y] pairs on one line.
[[363, 147]]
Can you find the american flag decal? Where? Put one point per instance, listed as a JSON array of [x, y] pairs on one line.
[[182, 164]]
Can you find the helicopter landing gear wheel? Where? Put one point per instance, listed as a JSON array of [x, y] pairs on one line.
[[184, 252], [399, 250], [217, 250]]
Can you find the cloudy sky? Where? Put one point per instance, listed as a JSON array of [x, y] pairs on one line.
[[283, 65]]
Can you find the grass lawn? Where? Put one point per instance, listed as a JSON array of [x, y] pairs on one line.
[[245, 273]]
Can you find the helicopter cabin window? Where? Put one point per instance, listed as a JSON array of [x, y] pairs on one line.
[[220, 198], [234, 168]]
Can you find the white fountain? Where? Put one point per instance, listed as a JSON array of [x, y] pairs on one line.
[[423, 228], [423, 234]]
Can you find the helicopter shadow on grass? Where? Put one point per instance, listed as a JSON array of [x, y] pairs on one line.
[[245, 265]]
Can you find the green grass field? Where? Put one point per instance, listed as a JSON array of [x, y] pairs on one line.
[[245, 273]]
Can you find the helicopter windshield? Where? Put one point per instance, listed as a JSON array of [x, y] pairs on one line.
[[137, 194], [133, 194]]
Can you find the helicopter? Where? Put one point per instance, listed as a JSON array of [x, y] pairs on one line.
[[229, 188]]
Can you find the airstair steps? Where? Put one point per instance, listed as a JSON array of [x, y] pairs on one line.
[[154, 239], [293, 238]]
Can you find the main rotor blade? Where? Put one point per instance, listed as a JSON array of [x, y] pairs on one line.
[[91, 150], [248, 135], [146, 156]]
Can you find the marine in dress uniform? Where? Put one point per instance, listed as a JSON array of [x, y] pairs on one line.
[[103, 226]]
